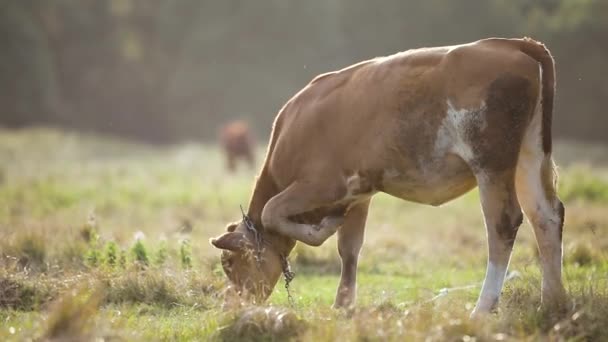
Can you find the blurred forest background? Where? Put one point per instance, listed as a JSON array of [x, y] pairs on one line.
[[164, 71]]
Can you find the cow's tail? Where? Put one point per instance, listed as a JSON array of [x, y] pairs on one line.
[[540, 53], [548, 172]]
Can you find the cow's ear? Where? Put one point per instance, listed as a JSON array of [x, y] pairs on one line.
[[231, 226], [229, 241]]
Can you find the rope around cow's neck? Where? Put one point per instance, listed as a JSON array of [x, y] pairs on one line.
[[288, 274]]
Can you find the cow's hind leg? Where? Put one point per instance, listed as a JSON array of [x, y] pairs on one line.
[[503, 217], [497, 137], [536, 180], [298, 198], [350, 240]]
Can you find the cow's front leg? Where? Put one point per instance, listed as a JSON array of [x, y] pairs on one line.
[[301, 197], [350, 240]]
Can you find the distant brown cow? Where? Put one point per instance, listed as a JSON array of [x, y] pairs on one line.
[[237, 142]]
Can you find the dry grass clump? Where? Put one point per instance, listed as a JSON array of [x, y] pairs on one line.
[[262, 324], [162, 288], [28, 251], [587, 320], [580, 254], [72, 318], [145, 287], [583, 318], [71, 255], [19, 293], [442, 320]]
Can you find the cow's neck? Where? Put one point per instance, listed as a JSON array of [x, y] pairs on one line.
[[265, 189]]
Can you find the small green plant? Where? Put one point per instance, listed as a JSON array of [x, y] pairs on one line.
[[88, 232], [161, 254], [185, 253], [92, 257], [111, 254], [140, 254], [122, 259]]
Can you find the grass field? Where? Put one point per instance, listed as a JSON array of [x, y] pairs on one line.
[[103, 239]]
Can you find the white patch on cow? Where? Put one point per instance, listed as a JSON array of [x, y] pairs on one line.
[[353, 183], [451, 133], [492, 286], [353, 189]]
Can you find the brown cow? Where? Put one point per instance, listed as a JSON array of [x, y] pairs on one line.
[[237, 142], [424, 125]]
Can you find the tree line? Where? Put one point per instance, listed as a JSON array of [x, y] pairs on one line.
[[175, 70]]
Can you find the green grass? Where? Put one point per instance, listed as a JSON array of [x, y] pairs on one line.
[[580, 183], [92, 246]]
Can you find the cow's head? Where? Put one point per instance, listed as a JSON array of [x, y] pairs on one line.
[[252, 264]]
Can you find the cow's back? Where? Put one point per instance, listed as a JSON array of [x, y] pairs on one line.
[[386, 112]]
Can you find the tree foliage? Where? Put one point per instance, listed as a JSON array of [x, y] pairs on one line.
[[166, 70]]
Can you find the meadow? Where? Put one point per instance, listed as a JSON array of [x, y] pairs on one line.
[[107, 240]]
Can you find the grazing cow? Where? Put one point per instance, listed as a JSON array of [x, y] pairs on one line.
[[237, 142], [424, 125]]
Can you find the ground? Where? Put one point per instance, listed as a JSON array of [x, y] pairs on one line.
[[106, 239]]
